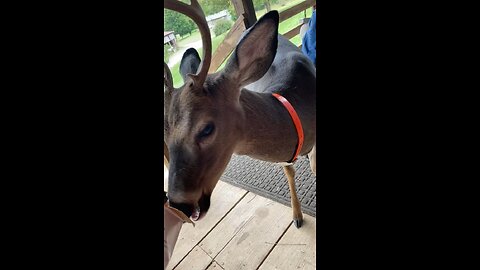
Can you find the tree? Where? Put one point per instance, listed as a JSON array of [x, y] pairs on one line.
[[214, 6], [221, 27], [233, 13], [267, 4], [175, 21]]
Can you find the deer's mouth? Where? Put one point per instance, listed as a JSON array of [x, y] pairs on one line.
[[195, 211], [201, 207]]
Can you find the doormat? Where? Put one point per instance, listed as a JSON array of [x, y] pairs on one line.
[[268, 180]]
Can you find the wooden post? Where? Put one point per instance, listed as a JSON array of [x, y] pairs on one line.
[[228, 44], [245, 8]]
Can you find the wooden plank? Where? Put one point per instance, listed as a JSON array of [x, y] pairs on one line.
[[295, 31], [294, 10], [245, 8], [246, 230], [196, 260], [214, 266], [224, 198], [296, 249], [227, 45]]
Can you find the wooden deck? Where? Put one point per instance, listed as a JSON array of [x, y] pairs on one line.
[[245, 231]]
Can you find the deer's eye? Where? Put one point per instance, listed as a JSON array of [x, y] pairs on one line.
[[206, 131]]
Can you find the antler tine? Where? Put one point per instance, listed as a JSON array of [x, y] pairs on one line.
[[195, 12]]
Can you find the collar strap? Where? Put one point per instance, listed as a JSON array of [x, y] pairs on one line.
[[296, 122]]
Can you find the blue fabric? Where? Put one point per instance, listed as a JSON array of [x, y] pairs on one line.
[[309, 41]]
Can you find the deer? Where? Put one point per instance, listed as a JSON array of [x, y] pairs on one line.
[[236, 110]]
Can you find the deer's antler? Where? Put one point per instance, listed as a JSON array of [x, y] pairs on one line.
[[195, 12]]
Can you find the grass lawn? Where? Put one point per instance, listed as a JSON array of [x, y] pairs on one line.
[[195, 36], [293, 22]]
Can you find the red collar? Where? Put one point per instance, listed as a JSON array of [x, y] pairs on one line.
[[296, 122]]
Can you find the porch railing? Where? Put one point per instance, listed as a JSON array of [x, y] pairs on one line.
[[246, 18]]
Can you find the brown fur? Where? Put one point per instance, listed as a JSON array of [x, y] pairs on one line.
[[248, 120]]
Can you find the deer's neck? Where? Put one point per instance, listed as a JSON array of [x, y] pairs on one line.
[[268, 131]]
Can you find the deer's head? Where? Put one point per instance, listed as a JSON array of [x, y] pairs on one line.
[[203, 119]]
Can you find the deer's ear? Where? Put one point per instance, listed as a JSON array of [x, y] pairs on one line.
[[189, 63], [256, 50]]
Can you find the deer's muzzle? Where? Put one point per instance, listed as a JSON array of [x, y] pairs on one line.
[[195, 210]]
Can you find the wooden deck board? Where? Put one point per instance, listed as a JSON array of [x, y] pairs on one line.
[[197, 259], [296, 249], [247, 230], [225, 197], [214, 266], [240, 232]]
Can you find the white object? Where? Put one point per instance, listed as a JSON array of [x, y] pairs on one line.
[[173, 220]]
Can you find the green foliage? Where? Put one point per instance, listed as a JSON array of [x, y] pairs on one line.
[[261, 4], [233, 13], [258, 4], [222, 26], [214, 6], [175, 21]]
